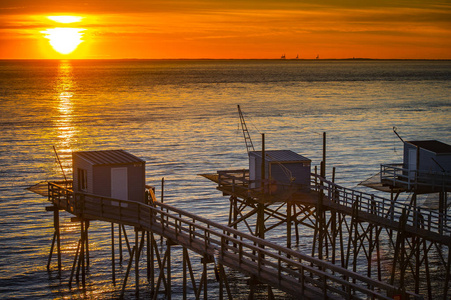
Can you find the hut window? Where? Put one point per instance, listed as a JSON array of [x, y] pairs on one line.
[[82, 180]]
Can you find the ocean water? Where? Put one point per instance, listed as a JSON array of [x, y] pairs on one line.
[[181, 117]]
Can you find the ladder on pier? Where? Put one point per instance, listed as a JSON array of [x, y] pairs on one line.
[[247, 137]]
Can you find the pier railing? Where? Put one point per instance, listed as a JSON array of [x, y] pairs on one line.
[[397, 176], [433, 225], [281, 267], [390, 211]]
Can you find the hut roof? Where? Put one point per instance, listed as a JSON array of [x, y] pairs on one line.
[[433, 146], [281, 156], [108, 157]]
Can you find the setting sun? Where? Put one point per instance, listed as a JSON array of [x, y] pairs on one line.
[[64, 40]]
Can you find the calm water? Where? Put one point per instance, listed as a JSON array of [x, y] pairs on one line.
[[181, 117]]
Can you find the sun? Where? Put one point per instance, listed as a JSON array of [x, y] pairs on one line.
[[64, 39]]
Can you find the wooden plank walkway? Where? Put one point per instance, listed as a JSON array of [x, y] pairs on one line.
[[290, 271]]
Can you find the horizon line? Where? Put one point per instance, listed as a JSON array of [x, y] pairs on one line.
[[278, 59]]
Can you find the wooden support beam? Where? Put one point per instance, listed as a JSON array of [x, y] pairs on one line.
[[120, 243], [185, 257], [113, 261], [75, 263], [136, 263], [56, 225], [87, 223], [51, 250], [148, 260], [168, 271], [124, 284], [126, 239], [152, 263], [226, 282], [82, 253], [161, 276], [289, 225], [446, 288]]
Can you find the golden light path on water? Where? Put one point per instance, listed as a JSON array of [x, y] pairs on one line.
[[64, 87], [64, 93]]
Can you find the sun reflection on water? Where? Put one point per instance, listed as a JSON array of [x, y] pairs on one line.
[[64, 103]]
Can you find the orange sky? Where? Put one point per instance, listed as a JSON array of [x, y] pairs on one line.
[[232, 29]]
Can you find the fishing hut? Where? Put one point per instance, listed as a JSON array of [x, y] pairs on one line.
[[425, 171], [110, 173], [426, 168], [284, 169]]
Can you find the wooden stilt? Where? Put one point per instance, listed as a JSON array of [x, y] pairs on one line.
[[82, 254], [87, 242], [251, 289], [428, 275], [315, 232], [51, 250], [288, 225], [226, 283], [169, 287], [398, 250], [161, 265], [205, 279], [161, 276], [221, 284], [56, 222], [296, 223], [152, 264], [75, 262], [113, 260], [185, 254], [124, 284], [148, 260], [120, 243], [447, 276], [136, 263], [270, 293], [199, 290], [126, 239], [191, 273]]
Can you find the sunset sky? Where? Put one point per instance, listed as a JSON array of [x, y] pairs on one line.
[[170, 29]]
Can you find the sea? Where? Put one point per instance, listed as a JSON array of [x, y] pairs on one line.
[[181, 117]]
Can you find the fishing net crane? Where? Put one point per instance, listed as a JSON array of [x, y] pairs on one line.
[[247, 137]]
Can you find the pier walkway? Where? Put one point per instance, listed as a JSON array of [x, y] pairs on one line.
[[296, 273], [428, 224]]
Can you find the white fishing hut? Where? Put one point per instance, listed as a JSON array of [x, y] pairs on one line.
[[284, 169], [110, 173], [429, 156]]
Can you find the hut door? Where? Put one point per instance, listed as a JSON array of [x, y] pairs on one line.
[[119, 183], [412, 163], [252, 171]]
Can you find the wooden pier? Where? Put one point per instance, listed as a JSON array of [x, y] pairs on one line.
[[349, 226], [301, 275]]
